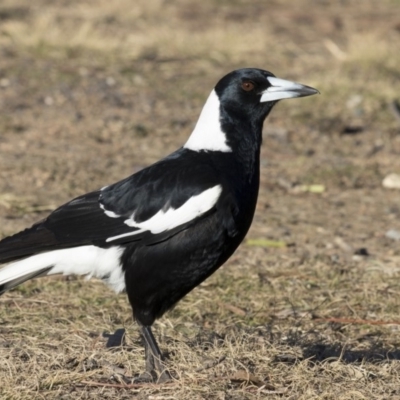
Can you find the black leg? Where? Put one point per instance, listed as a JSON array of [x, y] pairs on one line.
[[155, 369]]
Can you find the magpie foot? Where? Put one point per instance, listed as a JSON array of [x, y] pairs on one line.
[[145, 377], [164, 377], [153, 377]]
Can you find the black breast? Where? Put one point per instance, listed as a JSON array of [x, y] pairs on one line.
[[159, 275]]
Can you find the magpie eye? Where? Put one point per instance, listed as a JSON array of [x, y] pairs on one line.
[[248, 86]]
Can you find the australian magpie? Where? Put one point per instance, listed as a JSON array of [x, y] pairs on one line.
[[163, 230]]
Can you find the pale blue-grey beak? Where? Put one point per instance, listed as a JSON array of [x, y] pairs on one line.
[[282, 89]]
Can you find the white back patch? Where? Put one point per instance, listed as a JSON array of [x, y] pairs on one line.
[[171, 218], [82, 260], [207, 134]]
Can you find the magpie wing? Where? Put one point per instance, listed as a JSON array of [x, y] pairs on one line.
[[149, 206], [143, 206]]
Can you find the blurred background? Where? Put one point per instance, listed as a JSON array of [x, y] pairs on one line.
[[91, 91]]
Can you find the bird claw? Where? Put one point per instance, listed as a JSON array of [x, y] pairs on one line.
[[145, 377], [164, 377], [156, 369], [153, 377]]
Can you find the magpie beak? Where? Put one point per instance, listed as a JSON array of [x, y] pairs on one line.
[[282, 89]]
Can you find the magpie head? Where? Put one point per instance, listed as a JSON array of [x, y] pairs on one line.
[[237, 107], [252, 92]]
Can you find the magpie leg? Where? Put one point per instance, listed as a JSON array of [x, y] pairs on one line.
[[155, 369]]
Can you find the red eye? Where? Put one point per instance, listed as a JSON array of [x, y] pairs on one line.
[[248, 86]]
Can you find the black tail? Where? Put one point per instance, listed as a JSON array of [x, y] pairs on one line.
[[15, 282], [26, 243]]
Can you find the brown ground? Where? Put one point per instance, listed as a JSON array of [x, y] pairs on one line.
[[93, 90]]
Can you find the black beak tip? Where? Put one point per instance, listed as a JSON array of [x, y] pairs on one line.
[[309, 91]]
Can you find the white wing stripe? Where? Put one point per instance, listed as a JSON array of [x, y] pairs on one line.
[[171, 218]]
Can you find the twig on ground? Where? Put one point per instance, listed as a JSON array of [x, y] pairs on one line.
[[356, 321]]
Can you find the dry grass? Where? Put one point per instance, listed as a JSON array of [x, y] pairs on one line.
[[101, 86]]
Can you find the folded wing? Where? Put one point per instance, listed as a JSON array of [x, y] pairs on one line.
[[149, 206]]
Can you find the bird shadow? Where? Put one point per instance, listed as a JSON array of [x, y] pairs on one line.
[[116, 339], [323, 351], [319, 349], [313, 347]]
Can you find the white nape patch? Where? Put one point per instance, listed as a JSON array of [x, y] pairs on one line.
[[110, 214], [207, 134], [171, 218], [82, 260], [281, 89]]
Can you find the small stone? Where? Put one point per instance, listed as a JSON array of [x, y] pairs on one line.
[[343, 245], [4, 82], [393, 234], [354, 101], [48, 100], [83, 71], [110, 81], [391, 181]]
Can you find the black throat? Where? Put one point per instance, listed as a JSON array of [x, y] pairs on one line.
[[244, 137]]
